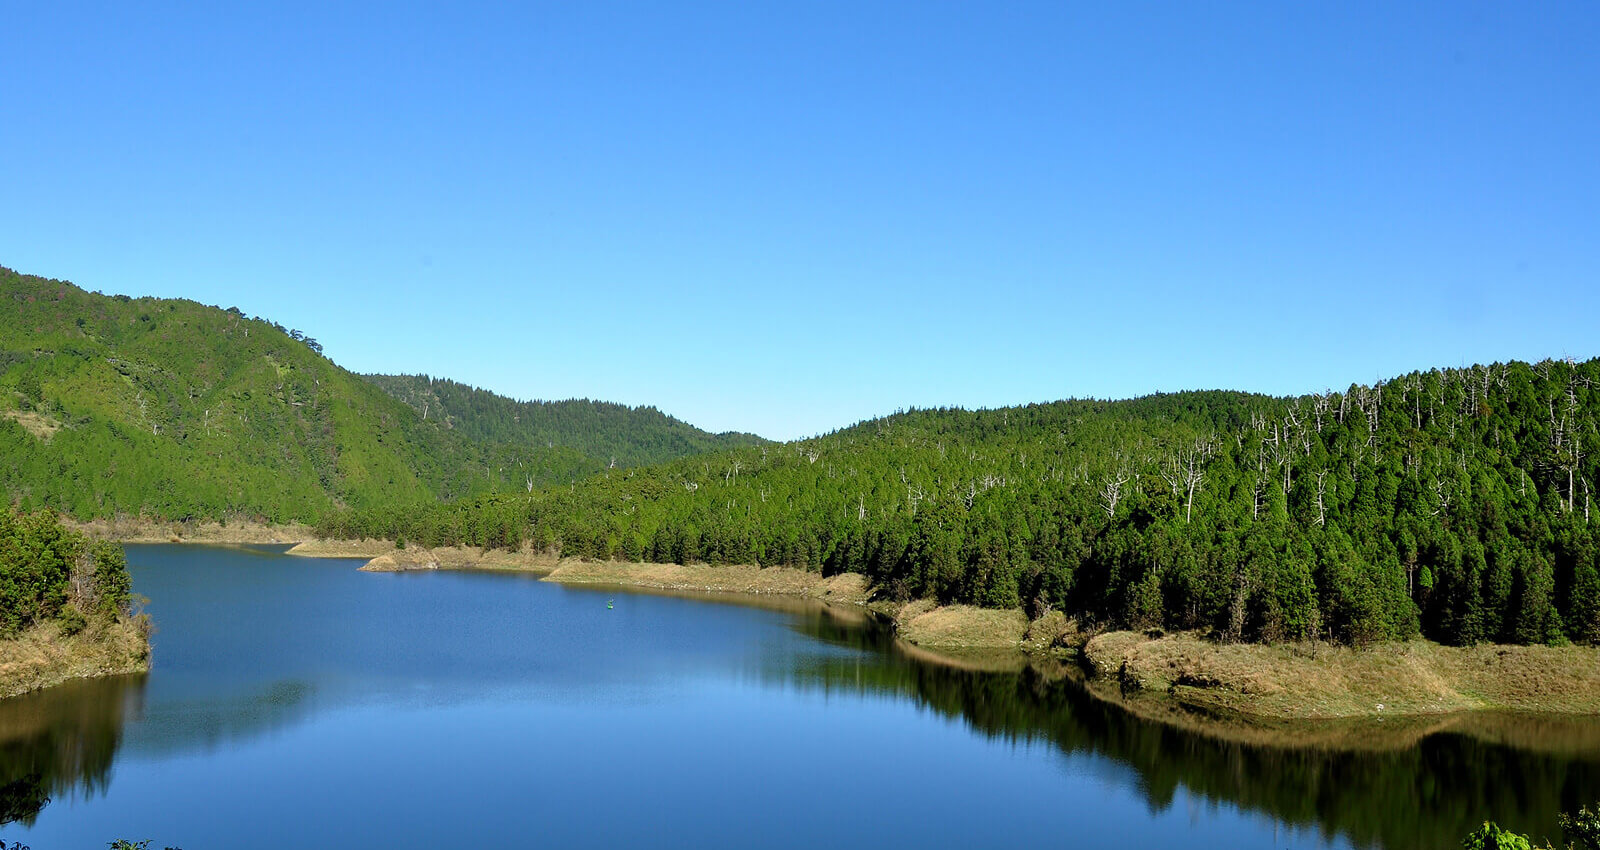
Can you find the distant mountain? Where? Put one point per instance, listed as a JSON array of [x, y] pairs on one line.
[[610, 434], [168, 407]]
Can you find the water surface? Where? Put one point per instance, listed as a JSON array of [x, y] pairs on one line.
[[298, 702]]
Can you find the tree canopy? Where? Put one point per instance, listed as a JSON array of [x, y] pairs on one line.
[[1452, 503]]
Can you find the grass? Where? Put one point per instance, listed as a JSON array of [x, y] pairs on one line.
[[927, 624], [43, 656], [37, 424], [134, 529], [1301, 681]]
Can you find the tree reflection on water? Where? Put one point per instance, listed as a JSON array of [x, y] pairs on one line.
[[62, 740]]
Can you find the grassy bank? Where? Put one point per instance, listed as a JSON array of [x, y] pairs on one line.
[[147, 530], [1302, 681], [922, 623], [44, 655]]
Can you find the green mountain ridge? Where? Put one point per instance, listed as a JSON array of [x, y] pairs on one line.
[[171, 408], [612, 435]]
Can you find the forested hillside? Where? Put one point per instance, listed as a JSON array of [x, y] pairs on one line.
[[170, 408], [177, 409], [1455, 503], [607, 435]]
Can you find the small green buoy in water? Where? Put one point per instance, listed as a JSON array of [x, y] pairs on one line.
[[610, 603]]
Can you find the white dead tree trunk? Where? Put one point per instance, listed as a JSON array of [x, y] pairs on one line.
[[1185, 474], [1111, 492]]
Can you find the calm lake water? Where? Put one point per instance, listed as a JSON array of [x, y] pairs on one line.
[[299, 703]]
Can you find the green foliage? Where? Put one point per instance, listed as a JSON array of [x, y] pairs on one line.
[[36, 560], [1453, 504], [606, 435], [1492, 837], [71, 619], [169, 408], [48, 572], [1582, 829], [114, 584]]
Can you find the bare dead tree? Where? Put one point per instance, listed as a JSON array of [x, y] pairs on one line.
[[1442, 494], [1111, 492], [1282, 455], [1238, 606], [1322, 486], [1185, 473]]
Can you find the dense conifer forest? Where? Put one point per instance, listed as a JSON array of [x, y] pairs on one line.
[[1453, 503]]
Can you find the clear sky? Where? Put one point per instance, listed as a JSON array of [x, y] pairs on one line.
[[785, 218]]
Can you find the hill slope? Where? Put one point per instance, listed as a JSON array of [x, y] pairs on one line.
[[167, 407], [609, 435], [1455, 503], [110, 403]]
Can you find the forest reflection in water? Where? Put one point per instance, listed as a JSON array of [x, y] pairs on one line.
[[1399, 784], [1409, 784], [62, 741]]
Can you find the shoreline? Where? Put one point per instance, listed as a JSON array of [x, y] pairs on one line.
[[1178, 677], [42, 657], [142, 530]]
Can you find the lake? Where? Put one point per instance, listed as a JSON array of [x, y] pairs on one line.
[[297, 702]]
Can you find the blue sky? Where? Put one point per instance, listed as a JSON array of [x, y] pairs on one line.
[[786, 218]]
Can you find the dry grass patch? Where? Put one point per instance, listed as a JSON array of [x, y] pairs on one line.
[[37, 424], [1301, 681], [1053, 630], [367, 549], [416, 558], [852, 588], [145, 530], [701, 577], [42, 656], [962, 626]]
